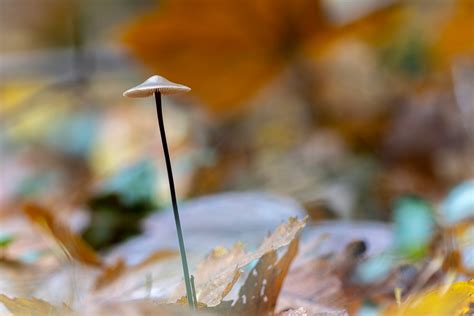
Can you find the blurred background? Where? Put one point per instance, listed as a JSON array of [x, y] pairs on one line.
[[342, 105]]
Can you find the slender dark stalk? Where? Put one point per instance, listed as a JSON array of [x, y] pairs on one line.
[[194, 291], [182, 250]]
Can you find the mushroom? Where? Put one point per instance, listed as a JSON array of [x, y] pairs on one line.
[[157, 86]]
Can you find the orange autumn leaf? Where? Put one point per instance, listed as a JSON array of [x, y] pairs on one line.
[[226, 50], [456, 36], [69, 242]]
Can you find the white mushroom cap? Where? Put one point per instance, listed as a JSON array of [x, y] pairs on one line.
[[153, 84]]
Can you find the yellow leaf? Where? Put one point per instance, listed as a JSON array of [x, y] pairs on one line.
[[453, 302]]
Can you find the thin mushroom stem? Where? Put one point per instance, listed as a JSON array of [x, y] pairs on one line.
[[182, 250], [194, 291]]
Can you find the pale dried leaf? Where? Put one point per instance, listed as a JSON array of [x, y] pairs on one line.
[[33, 306], [19, 279], [119, 280], [294, 312], [135, 308], [282, 236], [113, 272], [219, 271], [214, 288]]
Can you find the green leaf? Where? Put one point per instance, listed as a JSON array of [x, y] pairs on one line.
[[414, 227], [6, 240]]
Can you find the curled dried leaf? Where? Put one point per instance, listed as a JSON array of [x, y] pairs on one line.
[[70, 243], [259, 294], [218, 273]]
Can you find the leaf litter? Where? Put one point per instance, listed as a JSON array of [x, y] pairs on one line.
[[84, 283], [215, 276], [219, 271]]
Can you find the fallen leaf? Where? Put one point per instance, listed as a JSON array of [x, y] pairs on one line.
[[454, 38], [18, 278], [136, 307], [71, 244], [119, 269], [110, 274], [33, 306], [215, 289], [294, 312], [227, 50], [156, 256], [217, 274], [457, 300], [317, 285], [259, 294]]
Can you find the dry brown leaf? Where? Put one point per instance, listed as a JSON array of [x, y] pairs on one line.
[[318, 285], [33, 306], [110, 274], [70, 243], [259, 294], [217, 274], [314, 283]]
